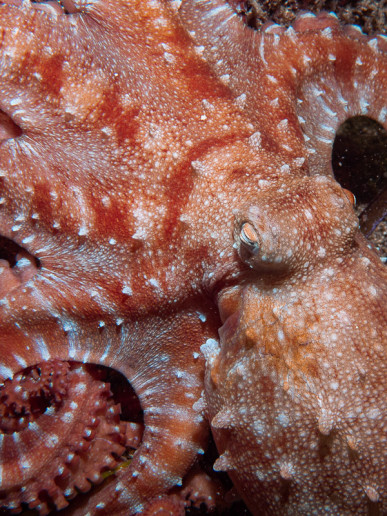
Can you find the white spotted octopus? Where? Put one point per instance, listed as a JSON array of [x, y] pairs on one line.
[[168, 210]]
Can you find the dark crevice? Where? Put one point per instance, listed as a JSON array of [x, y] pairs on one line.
[[17, 266], [359, 157], [8, 128], [12, 252], [374, 213], [123, 392], [359, 163]]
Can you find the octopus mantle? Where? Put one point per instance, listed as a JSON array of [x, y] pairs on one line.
[[168, 210]]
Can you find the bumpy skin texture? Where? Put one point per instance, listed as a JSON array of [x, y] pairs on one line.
[[161, 164]]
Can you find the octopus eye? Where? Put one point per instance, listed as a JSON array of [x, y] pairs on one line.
[[249, 237]]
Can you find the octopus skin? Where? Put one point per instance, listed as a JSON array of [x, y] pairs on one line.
[[167, 196]]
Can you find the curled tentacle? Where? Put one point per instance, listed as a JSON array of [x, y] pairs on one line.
[[30, 392], [60, 431]]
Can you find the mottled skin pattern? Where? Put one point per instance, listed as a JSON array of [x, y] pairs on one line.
[[165, 165]]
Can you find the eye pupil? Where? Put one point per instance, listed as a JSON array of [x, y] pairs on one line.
[[248, 235]]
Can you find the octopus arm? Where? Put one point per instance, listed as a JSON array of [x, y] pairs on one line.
[[307, 79]]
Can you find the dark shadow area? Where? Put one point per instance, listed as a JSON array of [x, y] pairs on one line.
[[8, 128], [359, 163]]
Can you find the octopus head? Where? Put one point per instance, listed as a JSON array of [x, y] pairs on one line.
[[302, 221]]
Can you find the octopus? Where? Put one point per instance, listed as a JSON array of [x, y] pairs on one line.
[[169, 212]]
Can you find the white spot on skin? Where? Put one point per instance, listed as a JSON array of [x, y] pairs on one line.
[[67, 417], [241, 100], [260, 475], [154, 283], [42, 349], [210, 350], [374, 413], [283, 125], [334, 386], [259, 427], [283, 419], [272, 79], [372, 493], [29, 239], [373, 291], [51, 440], [255, 139], [6, 372]]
